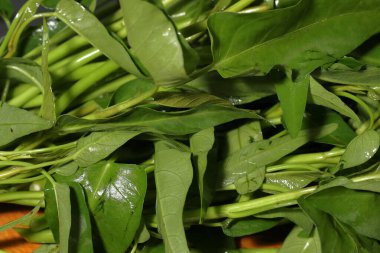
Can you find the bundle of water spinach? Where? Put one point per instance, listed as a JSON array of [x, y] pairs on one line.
[[177, 126]]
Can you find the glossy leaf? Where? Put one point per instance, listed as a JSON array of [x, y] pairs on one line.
[[360, 149], [172, 123], [292, 180], [115, 195], [237, 90], [58, 213], [261, 153], [353, 226], [201, 145], [99, 145], [16, 123], [248, 226], [88, 26], [298, 242], [320, 96], [293, 96], [185, 99], [173, 176], [156, 43], [257, 42]]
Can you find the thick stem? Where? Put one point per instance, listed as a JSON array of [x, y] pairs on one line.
[[21, 195], [82, 85]]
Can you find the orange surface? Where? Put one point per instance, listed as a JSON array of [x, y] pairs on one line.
[[10, 240]]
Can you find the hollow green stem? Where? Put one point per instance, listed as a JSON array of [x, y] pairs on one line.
[[121, 107], [21, 195], [289, 166], [108, 87], [82, 85], [240, 5], [7, 173], [320, 157], [27, 202], [39, 150], [23, 98]]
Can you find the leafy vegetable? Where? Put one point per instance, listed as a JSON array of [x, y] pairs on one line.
[[180, 126]]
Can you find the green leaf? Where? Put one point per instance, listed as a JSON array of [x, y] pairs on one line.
[[115, 195], [238, 91], [58, 213], [172, 123], [248, 226], [320, 96], [23, 70], [98, 145], [16, 123], [352, 227], [186, 99], [362, 148], [293, 96], [173, 176], [364, 77], [88, 26], [295, 215], [298, 242], [241, 136], [257, 42], [6, 8], [292, 180], [80, 239], [201, 145], [133, 90], [262, 153], [317, 115], [156, 43], [47, 110], [251, 181]]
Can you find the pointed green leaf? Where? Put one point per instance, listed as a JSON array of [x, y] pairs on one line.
[[115, 194], [173, 176], [98, 145], [16, 123], [255, 43], [172, 123], [320, 96], [201, 145], [47, 110], [88, 26], [293, 96], [156, 43], [298, 242], [362, 148], [58, 213], [262, 153]]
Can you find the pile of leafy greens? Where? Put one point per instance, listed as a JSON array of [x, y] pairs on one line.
[[176, 126]]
